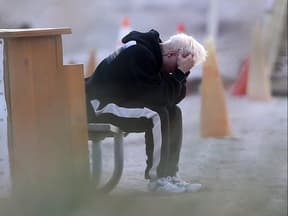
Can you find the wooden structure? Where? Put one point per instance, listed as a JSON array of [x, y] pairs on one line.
[[47, 126], [258, 85]]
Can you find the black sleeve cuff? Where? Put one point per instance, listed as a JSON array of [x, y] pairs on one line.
[[179, 75]]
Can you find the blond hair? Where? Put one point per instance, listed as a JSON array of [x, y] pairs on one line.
[[188, 44]]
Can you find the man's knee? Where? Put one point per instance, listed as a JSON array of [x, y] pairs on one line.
[[179, 113], [175, 113], [162, 111]]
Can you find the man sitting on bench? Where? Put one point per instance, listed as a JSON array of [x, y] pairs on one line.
[[137, 88]]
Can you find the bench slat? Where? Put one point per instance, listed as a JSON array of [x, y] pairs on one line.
[[103, 127]]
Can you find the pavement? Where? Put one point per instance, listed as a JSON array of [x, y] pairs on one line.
[[245, 174]]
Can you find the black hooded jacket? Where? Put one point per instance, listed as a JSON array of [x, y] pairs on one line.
[[131, 77]]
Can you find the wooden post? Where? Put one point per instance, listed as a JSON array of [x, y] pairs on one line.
[[258, 85], [91, 63], [47, 128], [273, 28]]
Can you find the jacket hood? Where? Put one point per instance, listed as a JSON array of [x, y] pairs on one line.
[[150, 40]]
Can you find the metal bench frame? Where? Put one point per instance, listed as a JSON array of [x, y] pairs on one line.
[[96, 133]]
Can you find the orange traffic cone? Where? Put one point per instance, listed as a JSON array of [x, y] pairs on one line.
[[124, 30], [240, 86], [214, 116], [258, 86], [91, 64], [181, 28]]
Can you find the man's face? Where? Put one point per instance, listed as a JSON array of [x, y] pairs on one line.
[[169, 62]]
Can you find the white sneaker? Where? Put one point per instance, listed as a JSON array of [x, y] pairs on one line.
[[164, 185], [189, 187]]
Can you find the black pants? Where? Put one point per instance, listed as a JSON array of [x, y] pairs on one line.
[[171, 127], [143, 120]]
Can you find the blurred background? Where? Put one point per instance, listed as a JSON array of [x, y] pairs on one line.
[[259, 156], [96, 24]]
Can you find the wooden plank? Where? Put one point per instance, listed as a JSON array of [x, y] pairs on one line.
[[77, 119], [33, 32], [39, 122], [22, 127]]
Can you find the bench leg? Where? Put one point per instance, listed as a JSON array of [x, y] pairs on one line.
[[118, 164], [96, 157]]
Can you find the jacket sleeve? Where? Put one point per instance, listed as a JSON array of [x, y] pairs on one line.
[[154, 88], [183, 80]]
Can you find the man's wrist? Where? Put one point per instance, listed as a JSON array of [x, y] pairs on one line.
[[179, 75], [185, 72]]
